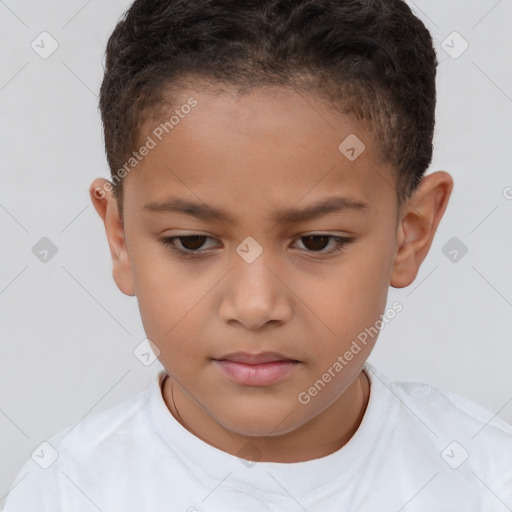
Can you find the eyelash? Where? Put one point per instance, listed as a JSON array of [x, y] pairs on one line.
[[341, 243]]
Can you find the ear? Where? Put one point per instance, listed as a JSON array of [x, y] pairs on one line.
[[417, 226], [105, 204]]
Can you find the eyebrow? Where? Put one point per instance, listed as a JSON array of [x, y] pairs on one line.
[[287, 215]]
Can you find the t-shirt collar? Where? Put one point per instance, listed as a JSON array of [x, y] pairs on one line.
[[213, 466]]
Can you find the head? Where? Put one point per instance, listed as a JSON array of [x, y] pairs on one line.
[[286, 143]]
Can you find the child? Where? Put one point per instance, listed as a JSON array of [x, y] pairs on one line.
[[268, 187]]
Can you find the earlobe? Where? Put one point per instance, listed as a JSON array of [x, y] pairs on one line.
[[417, 227], [105, 204]]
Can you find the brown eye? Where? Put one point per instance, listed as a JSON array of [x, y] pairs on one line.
[[189, 245], [192, 246], [319, 243], [315, 242], [192, 243]]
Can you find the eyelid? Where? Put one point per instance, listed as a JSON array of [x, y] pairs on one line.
[[341, 242]]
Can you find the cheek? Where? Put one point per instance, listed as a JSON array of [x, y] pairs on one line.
[[352, 299], [169, 298], [370, 276], [355, 289]]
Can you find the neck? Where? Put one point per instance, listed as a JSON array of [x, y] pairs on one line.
[[322, 435]]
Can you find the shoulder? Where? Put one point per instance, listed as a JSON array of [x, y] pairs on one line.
[[448, 411], [95, 441], [458, 431], [98, 429]]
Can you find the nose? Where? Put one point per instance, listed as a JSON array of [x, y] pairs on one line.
[[255, 295]]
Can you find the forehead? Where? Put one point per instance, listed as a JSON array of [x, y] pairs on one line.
[[263, 149]]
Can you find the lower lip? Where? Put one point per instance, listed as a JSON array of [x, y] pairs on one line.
[[262, 374]]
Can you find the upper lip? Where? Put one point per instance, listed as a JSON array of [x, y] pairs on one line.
[[260, 357]]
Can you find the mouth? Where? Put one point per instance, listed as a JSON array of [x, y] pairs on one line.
[[256, 370]]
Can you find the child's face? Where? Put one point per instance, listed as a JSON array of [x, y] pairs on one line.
[[251, 157]]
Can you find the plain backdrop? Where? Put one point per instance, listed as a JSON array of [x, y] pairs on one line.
[[68, 334]]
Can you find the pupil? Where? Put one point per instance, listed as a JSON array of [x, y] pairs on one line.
[[316, 239], [194, 239], [315, 242]]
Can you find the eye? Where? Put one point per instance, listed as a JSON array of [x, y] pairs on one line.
[[317, 243], [190, 245]]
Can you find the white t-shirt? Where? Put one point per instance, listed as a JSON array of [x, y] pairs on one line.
[[418, 449]]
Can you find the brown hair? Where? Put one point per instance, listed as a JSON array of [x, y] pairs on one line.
[[373, 59]]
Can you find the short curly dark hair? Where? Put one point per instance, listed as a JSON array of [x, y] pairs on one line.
[[373, 59]]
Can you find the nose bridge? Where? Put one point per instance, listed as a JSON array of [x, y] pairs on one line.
[[254, 294], [254, 275]]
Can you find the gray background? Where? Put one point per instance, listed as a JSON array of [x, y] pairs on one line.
[[68, 334]]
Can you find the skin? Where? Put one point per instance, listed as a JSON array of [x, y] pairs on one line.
[[250, 155]]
